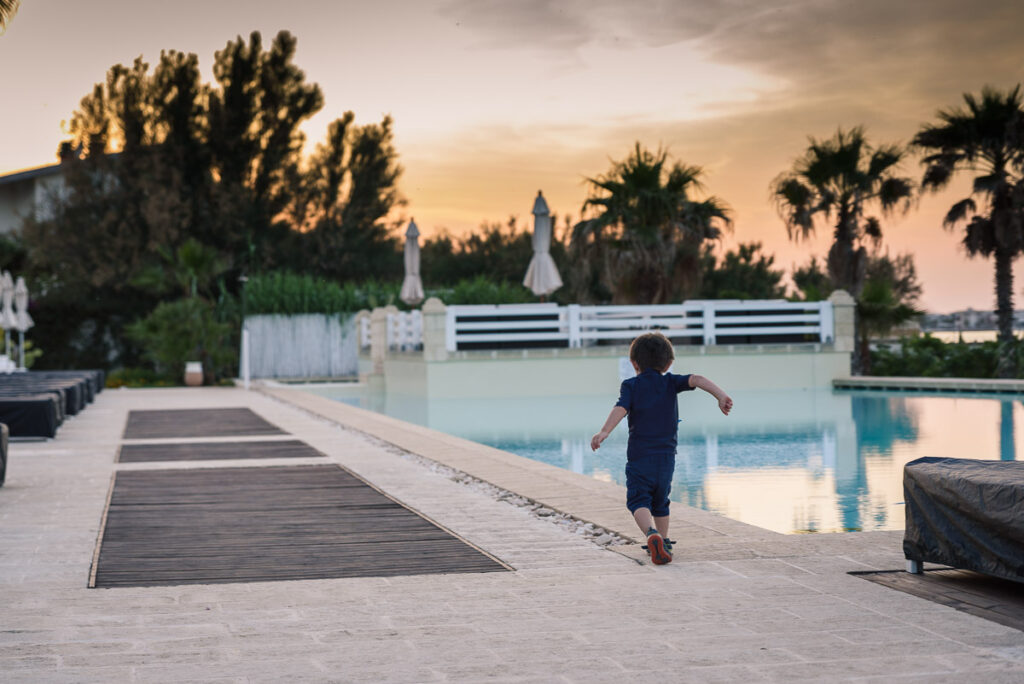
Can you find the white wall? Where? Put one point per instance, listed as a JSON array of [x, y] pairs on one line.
[[588, 373]]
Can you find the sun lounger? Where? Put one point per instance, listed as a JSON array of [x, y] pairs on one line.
[[58, 395], [93, 380], [78, 388], [966, 514], [31, 415]]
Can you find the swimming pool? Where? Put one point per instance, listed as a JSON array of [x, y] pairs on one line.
[[795, 461]]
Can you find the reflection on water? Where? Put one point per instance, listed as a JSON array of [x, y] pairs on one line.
[[790, 461]]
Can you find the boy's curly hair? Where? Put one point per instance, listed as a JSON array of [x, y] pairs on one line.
[[652, 350]]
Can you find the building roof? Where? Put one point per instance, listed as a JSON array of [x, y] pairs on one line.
[[27, 174]]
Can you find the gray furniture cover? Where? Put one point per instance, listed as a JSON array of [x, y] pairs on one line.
[[966, 513], [3, 453]]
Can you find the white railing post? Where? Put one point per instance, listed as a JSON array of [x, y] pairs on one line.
[[708, 322], [573, 314], [449, 328], [827, 322], [378, 339], [394, 317], [843, 316], [245, 358], [416, 332], [363, 328], [436, 330]]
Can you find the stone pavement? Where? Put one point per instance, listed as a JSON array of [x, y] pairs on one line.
[[738, 604]]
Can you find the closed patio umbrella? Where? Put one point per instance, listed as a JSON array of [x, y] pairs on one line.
[[23, 320], [8, 321], [542, 275], [412, 286]]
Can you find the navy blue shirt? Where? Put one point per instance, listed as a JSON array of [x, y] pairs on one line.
[[653, 411]]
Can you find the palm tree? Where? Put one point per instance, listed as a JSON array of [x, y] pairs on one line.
[[879, 310], [646, 234], [8, 8], [985, 138], [837, 179]]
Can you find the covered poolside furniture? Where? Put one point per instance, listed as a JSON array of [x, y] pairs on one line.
[[35, 404], [59, 400], [76, 388], [965, 513], [31, 415], [93, 380]]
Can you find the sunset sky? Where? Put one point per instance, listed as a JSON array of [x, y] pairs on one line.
[[495, 99]]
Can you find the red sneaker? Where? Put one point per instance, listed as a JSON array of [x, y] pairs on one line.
[[660, 555]]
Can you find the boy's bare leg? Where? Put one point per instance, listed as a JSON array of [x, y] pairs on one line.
[[644, 519], [661, 523]]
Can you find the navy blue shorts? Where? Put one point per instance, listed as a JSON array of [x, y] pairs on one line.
[[648, 483]]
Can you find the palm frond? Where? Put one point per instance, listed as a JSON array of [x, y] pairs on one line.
[[883, 159], [893, 192], [980, 236], [8, 8], [958, 212], [937, 175], [873, 229], [793, 200], [989, 183]]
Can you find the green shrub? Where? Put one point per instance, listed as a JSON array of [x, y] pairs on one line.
[[481, 290], [137, 377], [186, 330], [930, 357]]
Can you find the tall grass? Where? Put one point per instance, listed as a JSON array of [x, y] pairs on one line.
[[290, 293]]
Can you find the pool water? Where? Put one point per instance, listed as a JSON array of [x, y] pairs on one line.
[[789, 461]]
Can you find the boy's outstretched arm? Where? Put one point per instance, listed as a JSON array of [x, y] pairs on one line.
[[724, 402], [617, 414]]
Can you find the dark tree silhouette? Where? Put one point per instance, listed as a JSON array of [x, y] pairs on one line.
[[985, 138], [647, 229], [838, 179]]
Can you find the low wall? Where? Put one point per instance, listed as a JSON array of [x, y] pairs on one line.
[[302, 346], [589, 372]]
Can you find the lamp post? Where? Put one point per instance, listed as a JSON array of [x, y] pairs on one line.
[[242, 279]]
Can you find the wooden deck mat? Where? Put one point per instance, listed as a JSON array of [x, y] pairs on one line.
[[221, 422], [202, 526], [992, 598], [209, 451]]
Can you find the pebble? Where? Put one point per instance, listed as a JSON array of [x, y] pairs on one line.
[[595, 534]]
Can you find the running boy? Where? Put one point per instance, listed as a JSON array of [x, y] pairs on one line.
[[650, 401]]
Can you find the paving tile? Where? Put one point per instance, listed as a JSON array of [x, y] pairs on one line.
[[739, 604]]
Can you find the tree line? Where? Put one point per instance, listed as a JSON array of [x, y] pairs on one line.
[[176, 190]]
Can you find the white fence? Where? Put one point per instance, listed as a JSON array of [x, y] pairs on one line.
[[705, 322], [301, 346], [404, 330]]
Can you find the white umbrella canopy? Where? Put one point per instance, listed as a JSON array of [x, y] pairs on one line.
[[22, 319], [412, 286], [8, 321], [542, 274]]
